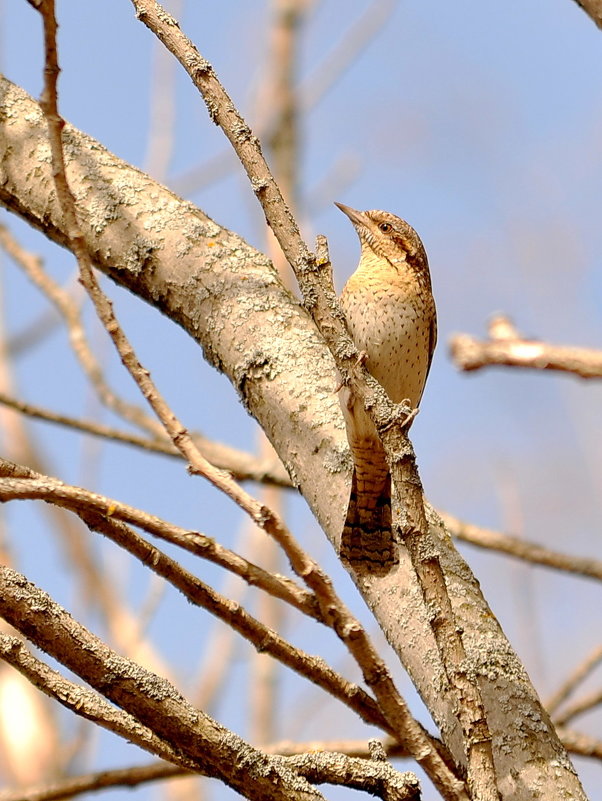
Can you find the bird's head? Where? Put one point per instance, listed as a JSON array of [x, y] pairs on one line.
[[388, 237]]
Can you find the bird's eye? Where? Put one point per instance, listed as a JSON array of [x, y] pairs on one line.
[[385, 227]]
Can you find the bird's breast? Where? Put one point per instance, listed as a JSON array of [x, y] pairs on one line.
[[391, 321]]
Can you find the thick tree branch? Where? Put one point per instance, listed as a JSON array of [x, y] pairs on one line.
[[227, 297], [87, 703], [151, 700]]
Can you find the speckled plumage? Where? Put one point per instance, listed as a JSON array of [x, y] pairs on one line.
[[390, 312]]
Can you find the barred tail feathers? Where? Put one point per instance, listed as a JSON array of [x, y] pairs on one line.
[[367, 542]]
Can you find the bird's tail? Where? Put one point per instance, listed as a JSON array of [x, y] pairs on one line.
[[367, 542]]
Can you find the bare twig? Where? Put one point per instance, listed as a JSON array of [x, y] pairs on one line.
[[578, 743], [243, 466], [162, 112], [520, 549], [577, 676], [341, 56], [69, 313], [511, 350], [79, 500], [585, 704], [94, 782]]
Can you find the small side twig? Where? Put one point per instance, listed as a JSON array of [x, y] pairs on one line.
[[579, 743]]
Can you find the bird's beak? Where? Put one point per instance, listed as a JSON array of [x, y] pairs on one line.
[[356, 217]]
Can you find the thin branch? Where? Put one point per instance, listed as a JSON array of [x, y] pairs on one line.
[[520, 549], [585, 704], [69, 313], [161, 136], [507, 348], [15, 484], [362, 32], [94, 782], [85, 702], [576, 677], [312, 668], [242, 465], [579, 743]]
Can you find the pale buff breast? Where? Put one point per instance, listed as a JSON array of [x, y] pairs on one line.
[[391, 318]]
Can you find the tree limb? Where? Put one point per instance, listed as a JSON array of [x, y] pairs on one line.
[[148, 698], [507, 348], [228, 298]]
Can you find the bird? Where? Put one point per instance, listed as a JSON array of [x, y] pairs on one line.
[[390, 313]]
